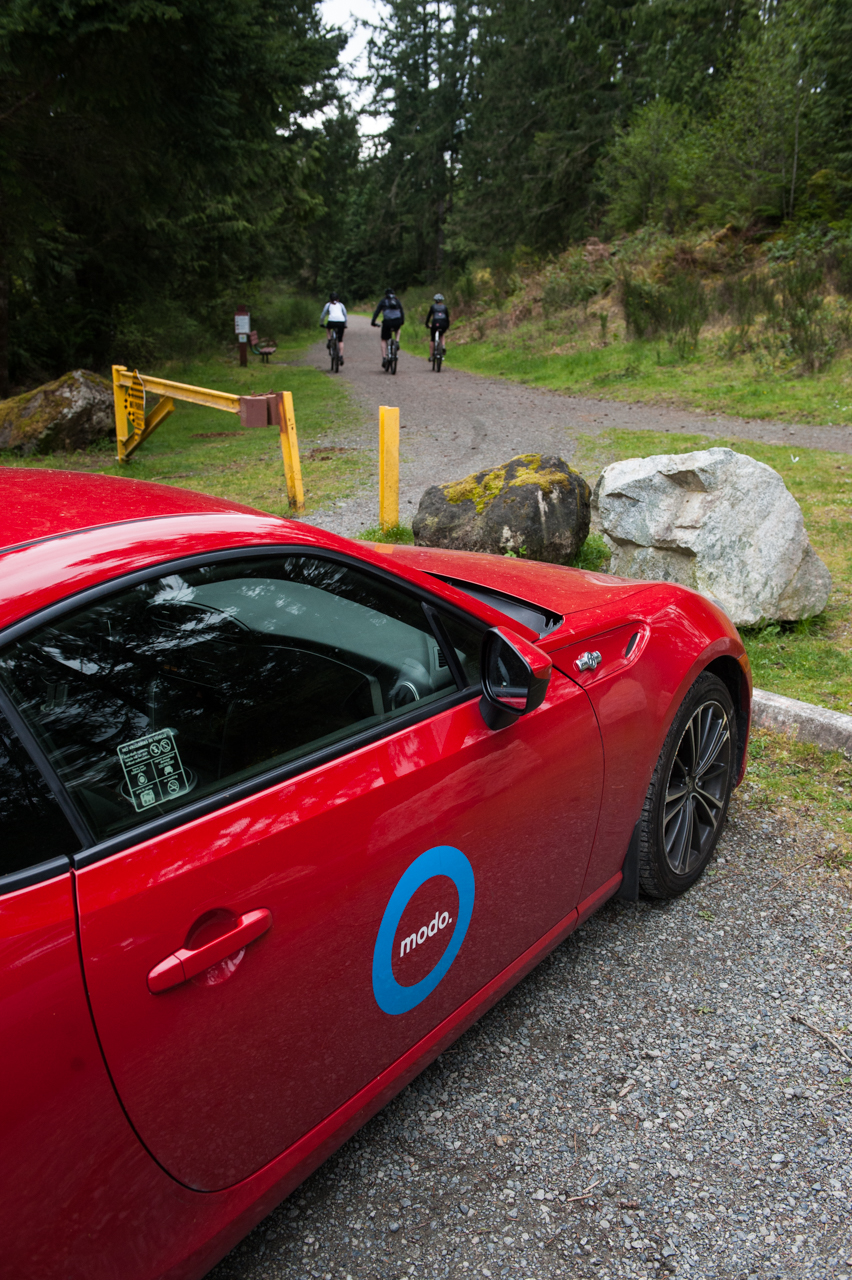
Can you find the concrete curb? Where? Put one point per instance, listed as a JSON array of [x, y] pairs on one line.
[[831, 730]]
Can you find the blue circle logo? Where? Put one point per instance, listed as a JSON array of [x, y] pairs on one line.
[[443, 860]]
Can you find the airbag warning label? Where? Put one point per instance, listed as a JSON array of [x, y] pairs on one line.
[[153, 769]]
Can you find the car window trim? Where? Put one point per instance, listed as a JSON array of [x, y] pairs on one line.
[[35, 874], [94, 851], [40, 761]]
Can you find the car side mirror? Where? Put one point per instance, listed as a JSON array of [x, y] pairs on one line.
[[515, 676]]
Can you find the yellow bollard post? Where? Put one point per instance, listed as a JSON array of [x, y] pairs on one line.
[[122, 426], [388, 467], [290, 452]]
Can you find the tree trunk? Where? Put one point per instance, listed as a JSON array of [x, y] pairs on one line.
[[5, 290], [439, 248], [795, 155]]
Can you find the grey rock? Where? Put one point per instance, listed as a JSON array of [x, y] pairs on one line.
[[719, 522], [534, 505], [71, 413]]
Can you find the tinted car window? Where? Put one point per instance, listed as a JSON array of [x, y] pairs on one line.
[[33, 828], [161, 693]]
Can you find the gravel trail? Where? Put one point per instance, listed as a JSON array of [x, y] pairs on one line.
[[453, 423], [643, 1104]]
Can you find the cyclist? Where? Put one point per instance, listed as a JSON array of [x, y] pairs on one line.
[[334, 317], [438, 321], [393, 318]]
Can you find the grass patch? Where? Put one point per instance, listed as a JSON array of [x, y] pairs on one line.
[[798, 780], [809, 660], [574, 359], [398, 533], [207, 450], [593, 555]]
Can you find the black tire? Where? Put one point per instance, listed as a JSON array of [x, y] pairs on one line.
[[393, 363], [439, 361], [687, 802]]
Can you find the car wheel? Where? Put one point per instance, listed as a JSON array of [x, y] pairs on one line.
[[687, 801]]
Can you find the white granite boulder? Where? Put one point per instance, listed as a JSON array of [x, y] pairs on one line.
[[717, 521]]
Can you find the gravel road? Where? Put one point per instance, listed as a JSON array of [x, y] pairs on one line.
[[454, 423], [642, 1104]]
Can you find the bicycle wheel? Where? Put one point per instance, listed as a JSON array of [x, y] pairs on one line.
[[439, 356], [335, 354]]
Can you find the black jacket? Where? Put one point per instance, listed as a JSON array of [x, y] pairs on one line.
[[439, 314], [391, 309]]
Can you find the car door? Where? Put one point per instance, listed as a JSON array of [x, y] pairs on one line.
[[51, 1062], [307, 847]]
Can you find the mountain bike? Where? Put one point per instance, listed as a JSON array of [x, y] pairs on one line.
[[438, 352], [334, 351], [393, 354]]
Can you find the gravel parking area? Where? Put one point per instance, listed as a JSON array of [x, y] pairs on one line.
[[643, 1104]]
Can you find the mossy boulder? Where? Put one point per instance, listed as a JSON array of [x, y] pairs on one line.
[[533, 506], [71, 413]]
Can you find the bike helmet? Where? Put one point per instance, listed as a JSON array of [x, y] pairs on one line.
[[439, 297]]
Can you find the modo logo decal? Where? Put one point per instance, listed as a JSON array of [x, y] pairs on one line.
[[443, 860]]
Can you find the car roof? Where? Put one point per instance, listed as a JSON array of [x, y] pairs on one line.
[[37, 504]]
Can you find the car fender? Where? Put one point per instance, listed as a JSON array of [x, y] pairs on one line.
[[684, 634]]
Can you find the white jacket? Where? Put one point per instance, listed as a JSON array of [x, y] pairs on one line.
[[336, 313]]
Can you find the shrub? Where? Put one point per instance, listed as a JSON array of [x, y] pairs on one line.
[[744, 298], [644, 306], [801, 318], [575, 281], [677, 309], [277, 315], [688, 310]]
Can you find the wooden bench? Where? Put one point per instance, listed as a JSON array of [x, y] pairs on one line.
[[264, 351]]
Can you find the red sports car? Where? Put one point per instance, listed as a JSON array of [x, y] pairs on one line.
[[282, 815]]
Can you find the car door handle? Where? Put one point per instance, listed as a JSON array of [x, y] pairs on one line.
[[187, 963]]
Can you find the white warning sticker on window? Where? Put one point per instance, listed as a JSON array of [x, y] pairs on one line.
[[153, 769]]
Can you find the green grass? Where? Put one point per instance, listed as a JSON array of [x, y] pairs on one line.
[[799, 780], [750, 386], [396, 533], [809, 660], [207, 450]]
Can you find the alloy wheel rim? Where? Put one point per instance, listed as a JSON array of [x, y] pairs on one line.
[[697, 787]]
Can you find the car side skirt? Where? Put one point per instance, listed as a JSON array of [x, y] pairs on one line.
[[250, 1201]]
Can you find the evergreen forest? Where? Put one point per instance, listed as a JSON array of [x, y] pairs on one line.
[[159, 159]]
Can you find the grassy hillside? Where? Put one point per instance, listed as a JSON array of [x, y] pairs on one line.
[[727, 323]]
